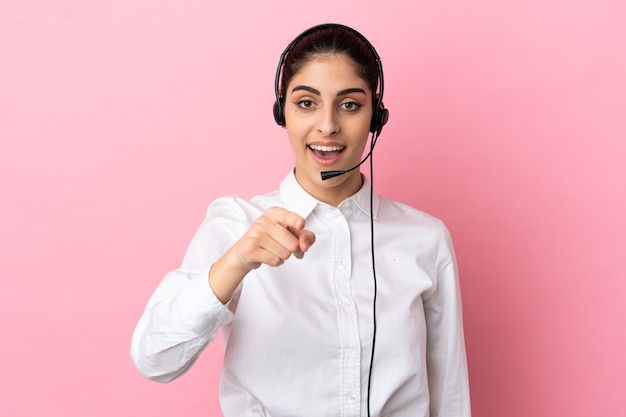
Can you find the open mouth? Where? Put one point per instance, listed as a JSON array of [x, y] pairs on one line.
[[326, 153]]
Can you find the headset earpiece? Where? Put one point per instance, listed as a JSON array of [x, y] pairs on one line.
[[379, 118], [279, 113]]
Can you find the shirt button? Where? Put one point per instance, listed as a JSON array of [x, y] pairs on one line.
[[352, 399], [346, 305], [342, 265]]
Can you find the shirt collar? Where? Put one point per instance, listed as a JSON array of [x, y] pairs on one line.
[[298, 200], [362, 198]]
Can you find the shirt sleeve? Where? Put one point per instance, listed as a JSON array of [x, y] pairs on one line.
[[183, 314], [446, 359]]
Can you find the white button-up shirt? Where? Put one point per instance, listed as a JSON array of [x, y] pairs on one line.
[[298, 337]]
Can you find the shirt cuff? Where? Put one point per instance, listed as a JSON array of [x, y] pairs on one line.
[[201, 307]]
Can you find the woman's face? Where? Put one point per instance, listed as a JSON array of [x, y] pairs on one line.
[[328, 110]]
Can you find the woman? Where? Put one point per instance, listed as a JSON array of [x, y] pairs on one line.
[[310, 327]]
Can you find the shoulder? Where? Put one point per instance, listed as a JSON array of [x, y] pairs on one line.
[[413, 224], [416, 228], [239, 207], [395, 211]]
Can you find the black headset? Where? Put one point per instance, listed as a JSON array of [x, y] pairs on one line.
[[380, 114]]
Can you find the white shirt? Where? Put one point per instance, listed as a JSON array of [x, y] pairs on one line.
[[298, 337]]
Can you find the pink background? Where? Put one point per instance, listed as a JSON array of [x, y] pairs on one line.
[[121, 120]]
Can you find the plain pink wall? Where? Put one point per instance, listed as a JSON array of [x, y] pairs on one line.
[[121, 120]]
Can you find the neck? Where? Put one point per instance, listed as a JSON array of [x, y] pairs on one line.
[[335, 190]]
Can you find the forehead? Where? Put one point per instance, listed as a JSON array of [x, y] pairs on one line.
[[328, 72]]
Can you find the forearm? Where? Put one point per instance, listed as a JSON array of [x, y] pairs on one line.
[[181, 319], [225, 276]]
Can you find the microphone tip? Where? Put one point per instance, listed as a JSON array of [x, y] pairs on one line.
[[326, 175]]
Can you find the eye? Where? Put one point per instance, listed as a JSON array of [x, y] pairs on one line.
[[305, 104], [350, 106]]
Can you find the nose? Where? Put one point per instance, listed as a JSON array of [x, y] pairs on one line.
[[328, 124]]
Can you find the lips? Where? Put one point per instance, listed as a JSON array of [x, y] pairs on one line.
[[326, 154]]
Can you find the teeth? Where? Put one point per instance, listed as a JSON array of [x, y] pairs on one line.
[[326, 148]]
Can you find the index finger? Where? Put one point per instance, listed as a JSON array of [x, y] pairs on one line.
[[285, 218]]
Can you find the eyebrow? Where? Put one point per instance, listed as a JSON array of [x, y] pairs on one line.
[[316, 92]]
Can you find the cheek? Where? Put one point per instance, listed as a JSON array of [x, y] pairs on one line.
[[293, 113], [365, 120], [295, 140], [361, 128], [296, 124], [292, 132]]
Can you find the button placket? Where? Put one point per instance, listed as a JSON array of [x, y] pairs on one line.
[[349, 333]]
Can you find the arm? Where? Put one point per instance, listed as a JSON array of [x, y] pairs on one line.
[[183, 315], [447, 364], [190, 305]]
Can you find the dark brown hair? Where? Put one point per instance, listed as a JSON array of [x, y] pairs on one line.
[[332, 40]]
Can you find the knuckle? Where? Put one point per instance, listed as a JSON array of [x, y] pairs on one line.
[[294, 246], [275, 261], [261, 221]]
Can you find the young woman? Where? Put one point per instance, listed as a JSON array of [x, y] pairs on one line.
[[333, 301]]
